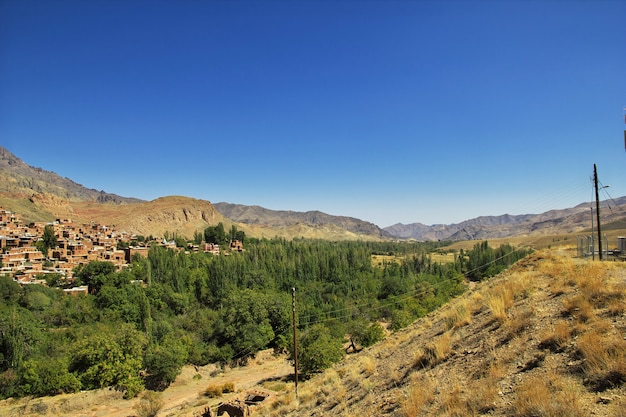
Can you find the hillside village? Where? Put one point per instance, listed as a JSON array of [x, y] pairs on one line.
[[77, 244]]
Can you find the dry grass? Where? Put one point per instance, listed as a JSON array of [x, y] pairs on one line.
[[547, 395], [435, 352], [550, 354], [592, 281], [499, 299], [367, 365], [555, 338], [518, 322], [476, 302], [482, 394], [604, 359], [425, 396], [420, 394], [458, 316], [617, 307], [578, 307], [277, 386]]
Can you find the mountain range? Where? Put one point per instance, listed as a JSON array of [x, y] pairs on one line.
[[41, 195]]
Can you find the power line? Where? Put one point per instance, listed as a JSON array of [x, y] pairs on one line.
[[365, 308]]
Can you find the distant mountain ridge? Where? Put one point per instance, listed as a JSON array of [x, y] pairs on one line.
[[44, 195], [568, 220], [257, 215]]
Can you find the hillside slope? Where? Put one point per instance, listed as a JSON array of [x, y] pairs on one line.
[[19, 178], [546, 338]]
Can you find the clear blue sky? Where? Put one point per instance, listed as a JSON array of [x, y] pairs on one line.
[[388, 111]]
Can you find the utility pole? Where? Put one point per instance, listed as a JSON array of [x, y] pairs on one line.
[[595, 183], [295, 340]]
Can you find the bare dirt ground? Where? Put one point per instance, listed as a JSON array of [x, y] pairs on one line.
[[184, 398]]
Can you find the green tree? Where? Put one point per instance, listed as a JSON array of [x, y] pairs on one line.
[[54, 279], [37, 297], [365, 333], [9, 290], [47, 376], [318, 350], [164, 362], [197, 237], [48, 240], [247, 324], [95, 274], [110, 357], [215, 234], [19, 335]]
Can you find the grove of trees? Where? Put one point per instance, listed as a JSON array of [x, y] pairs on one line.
[[137, 327]]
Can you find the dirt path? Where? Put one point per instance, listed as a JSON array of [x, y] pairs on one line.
[[182, 399]]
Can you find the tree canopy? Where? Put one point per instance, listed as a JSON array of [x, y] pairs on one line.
[[137, 327]]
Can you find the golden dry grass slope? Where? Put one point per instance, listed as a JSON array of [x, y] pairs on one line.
[[546, 338]]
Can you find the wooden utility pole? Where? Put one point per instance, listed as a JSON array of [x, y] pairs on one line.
[[295, 341], [595, 183]]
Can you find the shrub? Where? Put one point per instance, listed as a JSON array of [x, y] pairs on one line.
[[149, 404], [213, 391], [217, 390]]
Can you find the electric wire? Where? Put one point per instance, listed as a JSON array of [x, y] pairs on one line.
[[367, 308], [398, 298], [364, 309]]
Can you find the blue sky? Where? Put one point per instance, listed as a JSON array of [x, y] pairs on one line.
[[388, 111]]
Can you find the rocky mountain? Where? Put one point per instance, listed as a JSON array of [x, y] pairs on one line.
[[256, 215], [40, 195], [569, 220], [17, 177]]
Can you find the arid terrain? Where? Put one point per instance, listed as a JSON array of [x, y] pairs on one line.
[[545, 338], [185, 397], [40, 195]]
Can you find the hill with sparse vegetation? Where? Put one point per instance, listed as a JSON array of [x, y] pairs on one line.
[[546, 337]]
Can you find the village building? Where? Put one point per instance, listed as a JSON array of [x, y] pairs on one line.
[[77, 244]]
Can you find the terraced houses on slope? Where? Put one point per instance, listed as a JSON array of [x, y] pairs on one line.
[[77, 244]]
